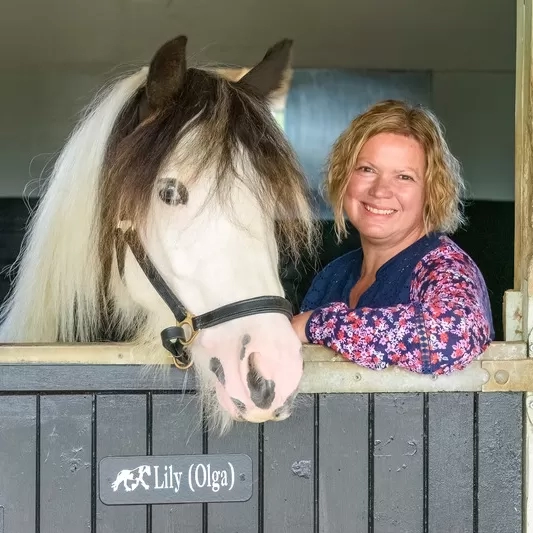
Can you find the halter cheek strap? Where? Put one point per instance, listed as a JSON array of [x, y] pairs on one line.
[[176, 338]]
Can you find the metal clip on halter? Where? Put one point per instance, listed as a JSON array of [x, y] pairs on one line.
[[176, 338], [187, 361]]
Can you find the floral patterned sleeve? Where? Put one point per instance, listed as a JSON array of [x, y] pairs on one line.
[[443, 328]]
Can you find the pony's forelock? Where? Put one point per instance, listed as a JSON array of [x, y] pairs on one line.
[[225, 124]]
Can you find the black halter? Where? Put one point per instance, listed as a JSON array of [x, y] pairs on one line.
[[176, 338]]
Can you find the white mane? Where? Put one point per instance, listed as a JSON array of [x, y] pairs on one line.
[[58, 268]]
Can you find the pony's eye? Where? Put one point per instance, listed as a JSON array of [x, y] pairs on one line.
[[173, 192]]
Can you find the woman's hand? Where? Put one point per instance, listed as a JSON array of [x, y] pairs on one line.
[[299, 322]]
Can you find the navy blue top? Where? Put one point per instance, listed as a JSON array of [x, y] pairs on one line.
[[428, 309], [391, 287]]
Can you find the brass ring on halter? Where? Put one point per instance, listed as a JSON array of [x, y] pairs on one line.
[[182, 366]]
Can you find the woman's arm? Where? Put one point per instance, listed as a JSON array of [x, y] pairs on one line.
[[443, 329]]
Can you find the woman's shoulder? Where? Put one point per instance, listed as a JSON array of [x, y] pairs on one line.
[[446, 253], [448, 275], [447, 262]]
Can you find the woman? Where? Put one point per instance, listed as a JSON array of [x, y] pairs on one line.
[[409, 296]]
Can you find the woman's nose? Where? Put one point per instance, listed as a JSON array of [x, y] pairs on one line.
[[381, 187]]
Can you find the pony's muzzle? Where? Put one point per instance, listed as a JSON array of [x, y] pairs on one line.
[[260, 383], [258, 415]]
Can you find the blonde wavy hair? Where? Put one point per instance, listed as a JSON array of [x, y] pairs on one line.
[[444, 185]]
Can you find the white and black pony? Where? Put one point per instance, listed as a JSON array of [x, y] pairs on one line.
[[162, 225]]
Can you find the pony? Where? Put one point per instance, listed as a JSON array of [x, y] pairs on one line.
[[163, 224]]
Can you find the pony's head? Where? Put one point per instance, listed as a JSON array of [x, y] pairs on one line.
[[177, 192]]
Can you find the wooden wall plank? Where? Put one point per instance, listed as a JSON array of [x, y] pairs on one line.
[[66, 458], [284, 499], [500, 462], [343, 463], [18, 463], [237, 516], [398, 463], [289, 471], [176, 430], [451, 462], [120, 430]]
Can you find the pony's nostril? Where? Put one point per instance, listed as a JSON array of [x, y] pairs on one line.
[[279, 412], [262, 391], [283, 415], [283, 412], [245, 340], [216, 367]]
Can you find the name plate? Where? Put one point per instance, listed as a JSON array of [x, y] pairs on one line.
[[175, 479]]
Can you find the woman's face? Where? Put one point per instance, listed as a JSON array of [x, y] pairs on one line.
[[385, 195]]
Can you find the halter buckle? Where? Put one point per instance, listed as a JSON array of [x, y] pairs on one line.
[[191, 334], [187, 321]]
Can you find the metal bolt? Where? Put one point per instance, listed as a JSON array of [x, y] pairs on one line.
[[501, 377]]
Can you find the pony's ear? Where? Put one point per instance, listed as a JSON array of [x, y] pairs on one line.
[[165, 76], [269, 75]]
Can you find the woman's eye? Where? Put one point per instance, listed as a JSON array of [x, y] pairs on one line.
[[406, 177], [173, 192], [365, 169]]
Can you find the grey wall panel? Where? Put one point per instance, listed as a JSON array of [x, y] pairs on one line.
[[66, 458], [343, 463], [451, 463], [176, 429], [288, 471], [338, 458], [398, 463], [18, 470], [120, 430]]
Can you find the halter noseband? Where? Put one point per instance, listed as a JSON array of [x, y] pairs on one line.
[[176, 338]]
